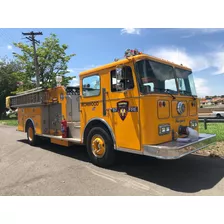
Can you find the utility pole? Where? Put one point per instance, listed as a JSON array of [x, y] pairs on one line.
[[32, 38]]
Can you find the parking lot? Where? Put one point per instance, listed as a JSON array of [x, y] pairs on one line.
[[55, 170]]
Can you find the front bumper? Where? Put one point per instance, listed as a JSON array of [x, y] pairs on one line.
[[175, 150]]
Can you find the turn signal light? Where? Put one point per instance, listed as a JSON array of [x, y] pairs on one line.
[[162, 103], [193, 124], [193, 104]]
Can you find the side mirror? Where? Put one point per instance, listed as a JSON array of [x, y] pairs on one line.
[[119, 72], [146, 89]]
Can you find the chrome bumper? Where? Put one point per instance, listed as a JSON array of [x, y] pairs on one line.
[[175, 150]]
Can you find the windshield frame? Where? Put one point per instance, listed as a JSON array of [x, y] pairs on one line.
[[190, 88], [140, 82]]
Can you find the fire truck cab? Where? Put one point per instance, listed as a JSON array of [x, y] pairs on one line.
[[140, 104]]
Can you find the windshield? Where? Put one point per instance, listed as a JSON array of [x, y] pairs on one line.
[[155, 77], [185, 82]]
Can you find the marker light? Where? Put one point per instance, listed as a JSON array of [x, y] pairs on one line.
[[193, 124], [162, 104]]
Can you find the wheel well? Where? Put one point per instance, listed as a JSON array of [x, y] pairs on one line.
[[96, 123], [29, 121]]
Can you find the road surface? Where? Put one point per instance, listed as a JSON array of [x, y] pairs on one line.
[[55, 170]]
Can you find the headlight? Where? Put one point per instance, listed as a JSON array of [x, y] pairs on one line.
[[193, 124], [164, 129]]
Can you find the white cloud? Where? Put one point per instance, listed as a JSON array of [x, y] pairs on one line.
[[130, 31], [211, 30], [74, 82], [76, 72], [196, 62], [201, 87], [217, 59], [9, 47]]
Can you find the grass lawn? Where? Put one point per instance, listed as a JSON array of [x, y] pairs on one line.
[[213, 128], [10, 122]]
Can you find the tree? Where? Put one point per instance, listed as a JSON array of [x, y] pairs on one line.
[[8, 80], [52, 61]]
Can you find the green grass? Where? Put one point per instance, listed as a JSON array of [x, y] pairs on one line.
[[10, 122], [213, 128]]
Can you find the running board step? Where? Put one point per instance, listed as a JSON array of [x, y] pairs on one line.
[[74, 140]]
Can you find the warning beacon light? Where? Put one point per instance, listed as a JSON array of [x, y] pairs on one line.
[[129, 52]]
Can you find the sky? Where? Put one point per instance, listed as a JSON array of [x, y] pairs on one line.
[[200, 49]]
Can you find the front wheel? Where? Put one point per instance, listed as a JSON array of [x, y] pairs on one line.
[[31, 137], [100, 147]]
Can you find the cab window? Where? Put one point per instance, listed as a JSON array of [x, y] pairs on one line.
[[91, 86], [122, 83]]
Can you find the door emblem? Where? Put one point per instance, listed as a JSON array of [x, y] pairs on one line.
[[122, 108]]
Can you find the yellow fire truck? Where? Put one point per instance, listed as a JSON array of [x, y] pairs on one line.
[[139, 104]]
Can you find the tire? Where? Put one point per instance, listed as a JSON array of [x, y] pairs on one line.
[[105, 155], [218, 116], [31, 137]]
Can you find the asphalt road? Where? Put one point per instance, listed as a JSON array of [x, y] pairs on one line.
[[55, 170]]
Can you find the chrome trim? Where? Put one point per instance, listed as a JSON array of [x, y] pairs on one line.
[[32, 123], [74, 140], [104, 101], [130, 151], [180, 108], [36, 90], [108, 126], [176, 150], [29, 105]]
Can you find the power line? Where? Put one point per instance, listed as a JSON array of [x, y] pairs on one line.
[[34, 41]]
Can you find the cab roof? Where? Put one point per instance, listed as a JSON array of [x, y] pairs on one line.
[[133, 58]]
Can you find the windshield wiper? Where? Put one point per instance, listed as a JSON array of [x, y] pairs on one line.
[[167, 91], [185, 91]]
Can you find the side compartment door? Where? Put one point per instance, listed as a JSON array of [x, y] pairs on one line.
[[124, 108]]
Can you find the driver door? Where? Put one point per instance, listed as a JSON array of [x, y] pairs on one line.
[[124, 108]]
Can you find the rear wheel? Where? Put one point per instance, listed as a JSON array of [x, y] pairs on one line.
[[218, 116], [100, 147], [31, 137]]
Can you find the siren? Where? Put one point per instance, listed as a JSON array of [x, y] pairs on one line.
[[129, 52]]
